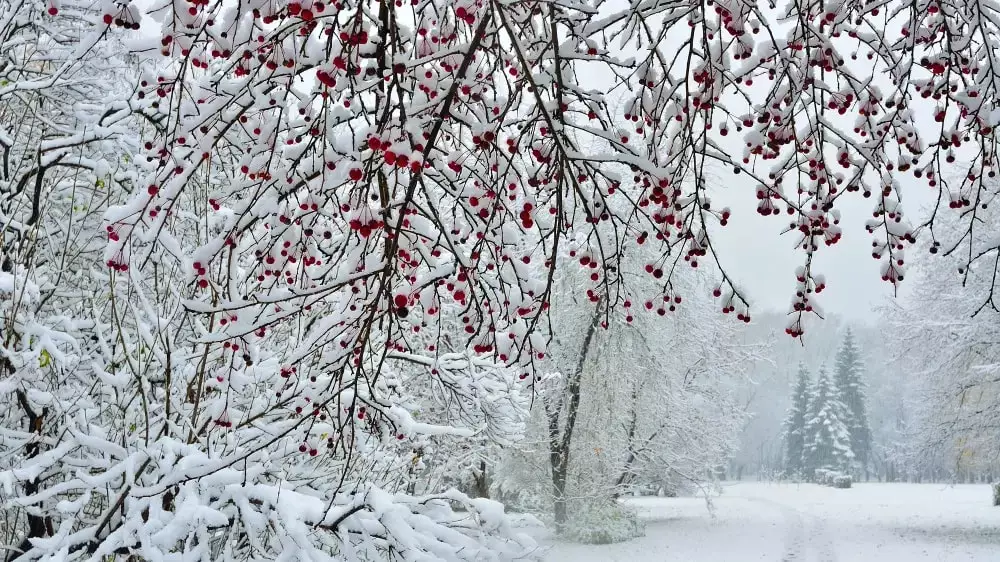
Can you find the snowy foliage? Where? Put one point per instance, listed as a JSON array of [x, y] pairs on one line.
[[162, 404]]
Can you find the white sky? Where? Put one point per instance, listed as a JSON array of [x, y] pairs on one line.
[[764, 263]]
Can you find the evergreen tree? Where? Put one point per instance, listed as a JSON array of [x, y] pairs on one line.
[[795, 423], [827, 442], [849, 383]]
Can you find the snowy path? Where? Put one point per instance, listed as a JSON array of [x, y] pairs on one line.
[[805, 534], [808, 523]]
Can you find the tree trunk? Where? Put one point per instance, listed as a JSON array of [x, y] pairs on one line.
[[623, 478], [481, 481], [559, 493], [559, 442], [38, 526]]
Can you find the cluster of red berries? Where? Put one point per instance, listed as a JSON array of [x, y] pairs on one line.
[[112, 232], [117, 264], [201, 272], [121, 20]]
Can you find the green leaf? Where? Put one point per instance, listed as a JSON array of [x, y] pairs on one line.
[[44, 359]]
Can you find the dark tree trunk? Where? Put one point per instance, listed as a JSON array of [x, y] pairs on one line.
[[481, 481], [38, 526]]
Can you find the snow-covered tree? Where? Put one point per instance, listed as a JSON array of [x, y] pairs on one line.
[[947, 342], [649, 403], [849, 380], [794, 436], [129, 427], [828, 443], [68, 140]]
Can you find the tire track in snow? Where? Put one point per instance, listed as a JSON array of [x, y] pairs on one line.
[[795, 535], [823, 541]]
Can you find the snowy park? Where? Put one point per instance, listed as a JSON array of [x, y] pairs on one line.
[[499, 280], [808, 523]]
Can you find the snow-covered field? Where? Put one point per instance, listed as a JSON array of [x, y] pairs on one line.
[[810, 523]]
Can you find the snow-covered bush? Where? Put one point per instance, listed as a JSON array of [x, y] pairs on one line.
[[833, 478], [842, 481], [996, 494], [523, 495], [599, 521], [820, 475]]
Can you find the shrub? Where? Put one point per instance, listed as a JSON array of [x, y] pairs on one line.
[[832, 478], [842, 481], [521, 498], [602, 522], [820, 475]]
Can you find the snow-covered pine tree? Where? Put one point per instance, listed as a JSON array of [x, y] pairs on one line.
[[795, 423], [851, 386], [827, 443]]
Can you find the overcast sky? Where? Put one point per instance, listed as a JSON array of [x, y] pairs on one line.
[[764, 263]]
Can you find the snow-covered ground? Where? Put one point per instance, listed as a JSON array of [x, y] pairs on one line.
[[811, 523]]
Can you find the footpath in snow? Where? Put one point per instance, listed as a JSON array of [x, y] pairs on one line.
[[810, 523]]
